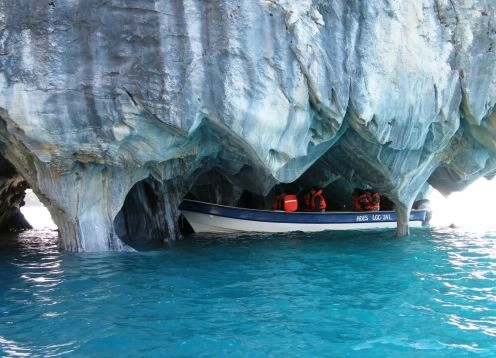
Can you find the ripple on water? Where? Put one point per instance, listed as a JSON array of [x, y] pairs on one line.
[[339, 294]]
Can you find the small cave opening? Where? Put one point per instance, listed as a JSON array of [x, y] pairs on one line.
[[144, 221], [20, 209], [35, 213]]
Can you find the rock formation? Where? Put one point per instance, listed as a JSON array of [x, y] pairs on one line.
[[114, 111], [12, 188]]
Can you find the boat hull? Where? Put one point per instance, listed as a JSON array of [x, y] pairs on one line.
[[205, 217]]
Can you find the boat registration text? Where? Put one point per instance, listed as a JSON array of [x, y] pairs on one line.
[[373, 217]]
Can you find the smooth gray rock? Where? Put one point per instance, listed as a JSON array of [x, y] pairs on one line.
[[105, 101]]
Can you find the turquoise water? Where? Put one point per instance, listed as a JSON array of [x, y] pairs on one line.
[[432, 294]]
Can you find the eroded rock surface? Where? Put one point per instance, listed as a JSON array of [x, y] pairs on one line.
[[12, 188], [114, 111]]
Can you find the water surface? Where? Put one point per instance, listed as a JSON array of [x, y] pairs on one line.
[[347, 294]]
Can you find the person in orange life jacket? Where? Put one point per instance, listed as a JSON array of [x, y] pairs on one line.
[[290, 202], [278, 203], [307, 205], [359, 200], [317, 201], [286, 202], [373, 200]]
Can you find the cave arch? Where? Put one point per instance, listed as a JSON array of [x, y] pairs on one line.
[[141, 223], [36, 213]]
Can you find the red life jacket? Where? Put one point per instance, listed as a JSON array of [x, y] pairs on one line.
[[290, 202], [360, 202], [374, 202], [356, 203], [318, 194]]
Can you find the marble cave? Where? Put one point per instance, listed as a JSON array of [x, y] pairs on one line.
[[113, 112]]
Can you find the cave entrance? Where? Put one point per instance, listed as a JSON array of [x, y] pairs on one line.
[[146, 219], [20, 209], [35, 213]]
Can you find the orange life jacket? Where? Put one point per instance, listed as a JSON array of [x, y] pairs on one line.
[[318, 194], [290, 202], [374, 202]]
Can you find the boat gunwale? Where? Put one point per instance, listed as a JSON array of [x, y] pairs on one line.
[[302, 217]]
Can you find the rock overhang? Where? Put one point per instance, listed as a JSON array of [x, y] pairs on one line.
[[98, 97]]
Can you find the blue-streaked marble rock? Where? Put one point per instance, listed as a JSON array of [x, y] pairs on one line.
[[104, 99]]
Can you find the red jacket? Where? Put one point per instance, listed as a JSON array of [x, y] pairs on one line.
[[374, 202], [290, 202], [317, 201]]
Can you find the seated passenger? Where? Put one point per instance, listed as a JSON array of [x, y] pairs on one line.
[[317, 201], [359, 198], [306, 206], [373, 200], [278, 203]]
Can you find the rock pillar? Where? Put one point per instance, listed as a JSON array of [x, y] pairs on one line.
[[402, 220]]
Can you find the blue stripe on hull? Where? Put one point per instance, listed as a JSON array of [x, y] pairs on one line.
[[296, 217]]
